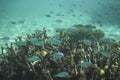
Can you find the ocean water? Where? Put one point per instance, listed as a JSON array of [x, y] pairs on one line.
[[18, 17], [41, 58]]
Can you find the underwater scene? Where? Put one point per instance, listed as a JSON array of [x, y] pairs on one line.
[[59, 39]]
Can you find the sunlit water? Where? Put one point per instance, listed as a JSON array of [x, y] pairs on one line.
[[18, 17]]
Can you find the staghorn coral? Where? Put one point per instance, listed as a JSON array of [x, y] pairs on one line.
[[82, 59]]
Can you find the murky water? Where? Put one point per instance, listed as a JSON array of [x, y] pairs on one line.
[[18, 17]]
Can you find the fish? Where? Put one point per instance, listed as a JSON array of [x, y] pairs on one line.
[[22, 21], [38, 31], [74, 5], [5, 38], [13, 22], [60, 5], [58, 21], [55, 42], [1, 59], [32, 40], [51, 12], [57, 55], [21, 43], [33, 58], [71, 10], [62, 74], [47, 15], [87, 42], [73, 15], [58, 14], [86, 64]]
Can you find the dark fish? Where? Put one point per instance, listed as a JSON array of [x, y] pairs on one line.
[[81, 15], [60, 5], [74, 5], [12, 22], [51, 12], [99, 3], [98, 15], [58, 14], [59, 29], [58, 21], [80, 6], [68, 12], [22, 21], [62, 14], [73, 15], [86, 11], [71, 10], [83, 1], [99, 22], [47, 15]]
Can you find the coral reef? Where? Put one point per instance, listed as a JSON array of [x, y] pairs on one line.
[[78, 53], [80, 32]]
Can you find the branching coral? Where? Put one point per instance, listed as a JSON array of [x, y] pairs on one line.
[[64, 57]]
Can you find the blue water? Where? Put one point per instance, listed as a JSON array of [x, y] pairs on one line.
[[18, 17]]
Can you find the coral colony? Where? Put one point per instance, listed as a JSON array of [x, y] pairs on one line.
[[81, 52]]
